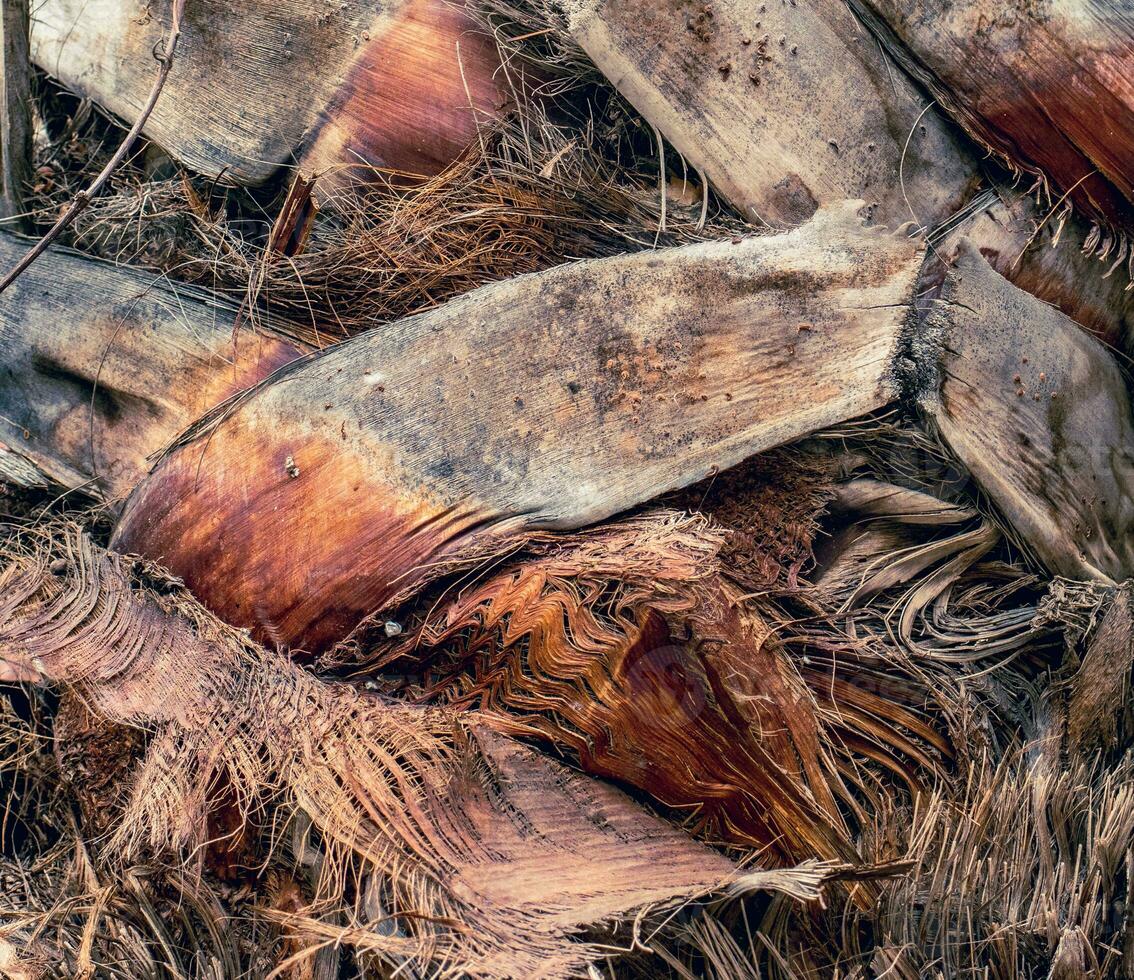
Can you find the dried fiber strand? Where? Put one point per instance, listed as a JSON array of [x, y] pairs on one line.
[[461, 826]]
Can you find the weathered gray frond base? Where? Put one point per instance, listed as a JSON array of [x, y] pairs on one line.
[[403, 84], [1040, 414], [15, 112], [1048, 87], [1099, 713], [102, 367], [745, 92], [487, 857], [548, 401]]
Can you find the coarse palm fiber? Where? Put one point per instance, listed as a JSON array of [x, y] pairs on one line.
[[654, 649], [484, 858]]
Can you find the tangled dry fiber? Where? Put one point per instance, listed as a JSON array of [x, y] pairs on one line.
[[446, 834], [224, 811]]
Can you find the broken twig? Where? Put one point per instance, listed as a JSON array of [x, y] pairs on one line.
[[83, 198]]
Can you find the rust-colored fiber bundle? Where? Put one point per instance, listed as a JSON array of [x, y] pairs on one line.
[[484, 856], [632, 646], [626, 646]]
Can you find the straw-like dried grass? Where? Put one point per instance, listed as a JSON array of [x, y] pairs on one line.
[[534, 192]]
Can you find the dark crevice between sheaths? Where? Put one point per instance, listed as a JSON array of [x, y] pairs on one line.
[[915, 371]]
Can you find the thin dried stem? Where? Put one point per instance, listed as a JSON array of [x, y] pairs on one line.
[[83, 198]]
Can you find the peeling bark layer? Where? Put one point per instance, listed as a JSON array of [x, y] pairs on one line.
[[1047, 85], [1045, 254], [1099, 712], [378, 83], [549, 401], [102, 367], [785, 107]]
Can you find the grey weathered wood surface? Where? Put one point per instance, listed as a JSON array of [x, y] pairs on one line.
[[101, 367], [808, 113], [551, 400], [248, 80], [1040, 414], [256, 81], [1043, 253], [15, 110]]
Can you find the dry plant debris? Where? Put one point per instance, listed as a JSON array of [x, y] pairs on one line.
[[651, 493]]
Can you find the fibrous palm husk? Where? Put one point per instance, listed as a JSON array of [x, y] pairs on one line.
[[68, 909], [458, 826], [1026, 867], [1021, 872], [626, 646]]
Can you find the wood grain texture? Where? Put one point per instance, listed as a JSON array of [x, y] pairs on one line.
[[412, 100], [255, 81], [17, 469], [1045, 256], [548, 401], [15, 108], [785, 107], [1048, 85], [1099, 712], [100, 367], [1040, 414]]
